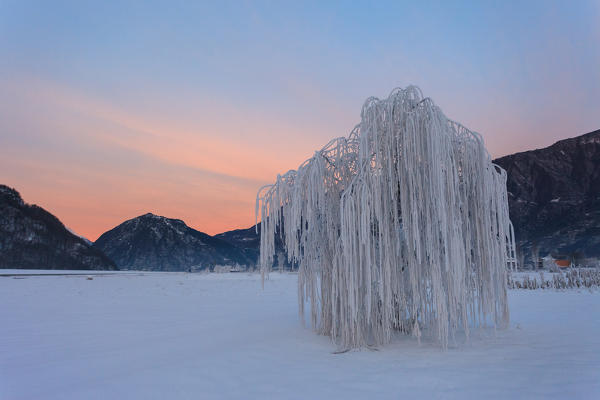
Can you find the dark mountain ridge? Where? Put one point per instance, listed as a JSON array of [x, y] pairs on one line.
[[32, 238], [246, 239], [156, 243], [249, 241], [554, 198]]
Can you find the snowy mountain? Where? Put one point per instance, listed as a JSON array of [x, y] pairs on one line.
[[32, 238], [248, 240], [554, 197], [152, 242]]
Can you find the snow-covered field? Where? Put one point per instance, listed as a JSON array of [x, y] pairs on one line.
[[192, 336]]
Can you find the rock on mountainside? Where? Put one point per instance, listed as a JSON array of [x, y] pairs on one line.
[[554, 197], [155, 243], [32, 238]]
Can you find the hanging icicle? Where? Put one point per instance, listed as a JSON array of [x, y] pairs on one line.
[[401, 226]]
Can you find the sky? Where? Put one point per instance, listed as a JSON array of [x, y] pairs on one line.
[[110, 110]]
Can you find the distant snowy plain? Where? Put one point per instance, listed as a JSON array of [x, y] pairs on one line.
[[220, 336]]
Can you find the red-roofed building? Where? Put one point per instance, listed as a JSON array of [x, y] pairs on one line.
[[558, 263], [562, 263]]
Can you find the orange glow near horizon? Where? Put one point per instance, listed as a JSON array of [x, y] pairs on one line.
[[94, 167], [94, 164]]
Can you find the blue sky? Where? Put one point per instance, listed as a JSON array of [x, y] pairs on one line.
[[239, 91]]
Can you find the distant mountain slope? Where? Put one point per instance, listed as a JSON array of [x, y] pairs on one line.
[[151, 242], [249, 241], [32, 238], [554, 197]]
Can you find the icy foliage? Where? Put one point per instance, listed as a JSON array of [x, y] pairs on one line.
[[572, 278], [403, 225]]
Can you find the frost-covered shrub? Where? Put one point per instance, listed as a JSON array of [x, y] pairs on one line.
[[402, 225], [221, 269], [573, 278]]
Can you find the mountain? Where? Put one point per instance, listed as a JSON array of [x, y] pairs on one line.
[[32, 238], [155, 243], [554, 197], [88, 241], [249, 241]]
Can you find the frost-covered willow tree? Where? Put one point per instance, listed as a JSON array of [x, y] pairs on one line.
[[403, 225]]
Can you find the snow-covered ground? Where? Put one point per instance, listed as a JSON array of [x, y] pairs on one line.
[[193, 336], [40, 272]]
